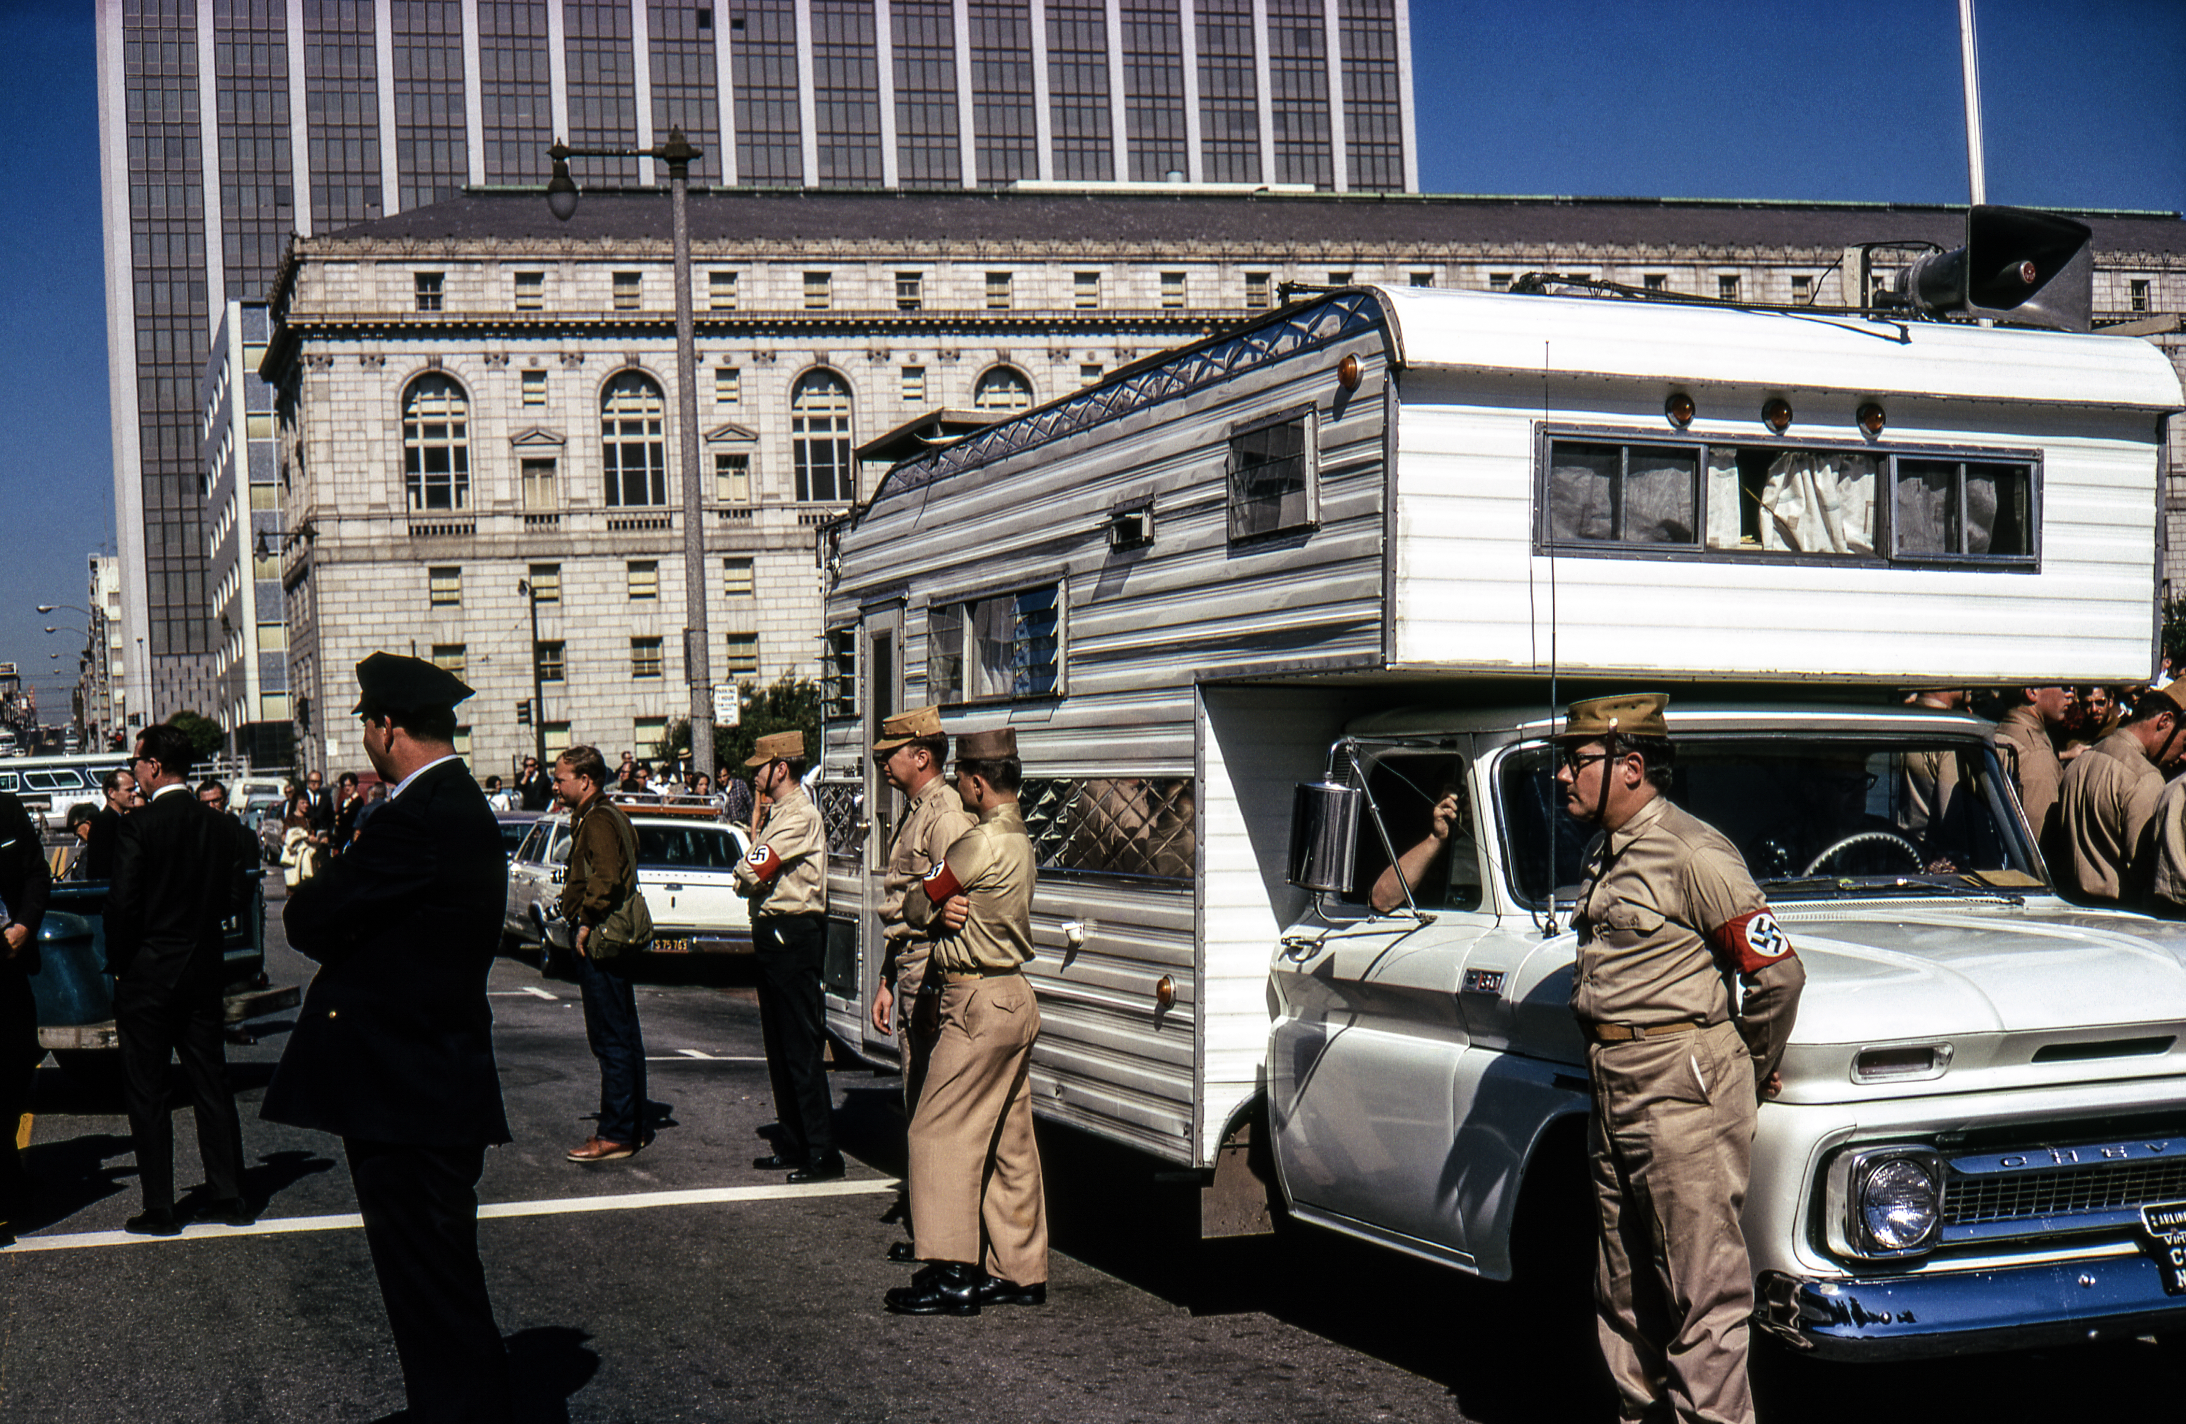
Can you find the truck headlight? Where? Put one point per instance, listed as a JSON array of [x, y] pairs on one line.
[[1893, 1201]]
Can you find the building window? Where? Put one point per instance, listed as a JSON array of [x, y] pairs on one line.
[[732, 478], [630, 442], [436, 445], [265, 496], [910, 295], [1423, 279], [539, 491], [546, 583], [266, 567], [428, 290], [1340, 278], [1002, 391], [740, 655], [728, 386], [531, 291], [444, 587], [1089, 373], [1726, 286], [1655, 281], [819, 427], [1257, 296], [913, 385], [645, 657], [1085, 289], [1499, 281], [1273, 475], [272, 637], [721, 291], [839, 684], [2137, 294], [818, 297], [1802, 288], [548, 658], [650, 732], [534, 384], [1009, 645], [1172, 291], [644, 579], [450, 657], [629, 290], [736, 579], [462, 742], [557, 736], [998, 291]]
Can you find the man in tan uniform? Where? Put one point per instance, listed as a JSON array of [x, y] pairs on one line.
[[911, 751], [785, 878], [2106, 805], [2027, 734], [1666, 915], [977, 1203]]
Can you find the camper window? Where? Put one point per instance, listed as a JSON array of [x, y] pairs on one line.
[[1273, 476], [1008, 645], [841, 685], [1962, 509], [1626, 494]]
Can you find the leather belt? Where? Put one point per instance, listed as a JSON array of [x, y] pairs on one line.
[[1628, 1033], [973, 976]]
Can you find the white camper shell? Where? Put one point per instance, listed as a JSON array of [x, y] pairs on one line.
[[1184, 584]]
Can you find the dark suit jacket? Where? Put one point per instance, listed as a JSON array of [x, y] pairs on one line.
[[98, 851], [24, 879], [395, 1041], [178, 872]]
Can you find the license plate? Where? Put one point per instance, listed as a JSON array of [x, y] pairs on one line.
[[2163, 1237], [671, 946]]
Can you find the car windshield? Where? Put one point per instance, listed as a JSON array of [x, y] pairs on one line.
[[512, 835], [1824, 816], [698, 847]]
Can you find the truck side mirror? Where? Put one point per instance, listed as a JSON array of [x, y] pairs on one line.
[[1324, 836]]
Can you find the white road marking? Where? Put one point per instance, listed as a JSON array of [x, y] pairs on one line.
[[554, 1206], [692, 1055], [538, 993]]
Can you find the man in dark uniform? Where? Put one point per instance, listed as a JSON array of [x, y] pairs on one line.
[[179, 871], [394, 1047], [23, 890], [1666, 915]]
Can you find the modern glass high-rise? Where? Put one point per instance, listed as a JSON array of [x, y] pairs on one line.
[[227, 124]]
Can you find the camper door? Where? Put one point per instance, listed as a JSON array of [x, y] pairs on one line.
[[880, 696]]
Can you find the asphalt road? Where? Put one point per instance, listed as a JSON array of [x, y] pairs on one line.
[[684, 1285]]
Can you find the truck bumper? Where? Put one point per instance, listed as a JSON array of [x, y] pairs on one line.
[[234, 1009], [1969, 1312]]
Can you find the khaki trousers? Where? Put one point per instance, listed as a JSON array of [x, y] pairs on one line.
[[918, 1048], [1672, 1140], [976, 1194]]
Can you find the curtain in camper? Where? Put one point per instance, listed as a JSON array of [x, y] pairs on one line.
[[1819, 502]]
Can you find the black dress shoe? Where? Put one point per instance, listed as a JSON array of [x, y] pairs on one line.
[[945, 1288], [233, 1212], [153, 1223], [993, 1290], [903, 1253], [821, 1169], [776, 1162]]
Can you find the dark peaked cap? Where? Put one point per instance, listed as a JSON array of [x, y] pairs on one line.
[[390, 682]]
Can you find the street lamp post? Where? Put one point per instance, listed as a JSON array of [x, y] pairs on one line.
[[538, 695], [677, 153]]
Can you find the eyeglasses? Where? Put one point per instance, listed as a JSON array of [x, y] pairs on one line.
[[1576, 761], [140, 758]]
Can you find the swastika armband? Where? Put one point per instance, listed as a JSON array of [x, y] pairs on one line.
[[1753, 941], [941, 882], [764, 863]]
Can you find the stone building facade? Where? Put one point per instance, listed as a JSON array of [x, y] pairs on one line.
[[472, 396]]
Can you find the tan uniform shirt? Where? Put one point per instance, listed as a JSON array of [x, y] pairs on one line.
[[2104, 810], [795, 843], [936, 820], [2169, 843], [1655, 890], [992, 863], [2035, 766]]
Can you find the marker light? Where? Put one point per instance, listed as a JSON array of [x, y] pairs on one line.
[[1164, 992], [1347, 373], [1776, 415], [1872, 420], [1679, 409]]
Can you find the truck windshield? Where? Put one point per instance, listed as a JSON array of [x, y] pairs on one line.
[[1835, 816]]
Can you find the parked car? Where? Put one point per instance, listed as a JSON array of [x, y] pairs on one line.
[[515, 825], [686, 860]]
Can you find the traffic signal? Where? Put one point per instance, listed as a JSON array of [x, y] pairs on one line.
[[2018, 266]]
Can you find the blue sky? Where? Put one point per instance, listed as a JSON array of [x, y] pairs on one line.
[[1848, 100]]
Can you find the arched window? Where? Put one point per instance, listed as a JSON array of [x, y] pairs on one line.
[[436, 444], [1002, 391], [631, 449], [819, 428]]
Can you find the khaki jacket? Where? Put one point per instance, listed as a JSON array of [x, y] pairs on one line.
[[786, 872], [936, 820], [1655, 891], [992, 865], [2105, 810], [2035, 767]]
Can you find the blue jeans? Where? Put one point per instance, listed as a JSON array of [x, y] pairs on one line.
[[611, 1027]]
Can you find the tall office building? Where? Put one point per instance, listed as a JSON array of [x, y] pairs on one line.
[[225, 125]]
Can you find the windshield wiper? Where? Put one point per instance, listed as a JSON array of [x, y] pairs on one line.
[[1846, 886]]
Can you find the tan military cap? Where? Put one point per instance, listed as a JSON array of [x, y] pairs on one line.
[[1632, 714], [987, 746], [907, 726], [775, 746]]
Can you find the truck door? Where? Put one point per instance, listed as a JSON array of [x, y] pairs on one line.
[[880, 675]]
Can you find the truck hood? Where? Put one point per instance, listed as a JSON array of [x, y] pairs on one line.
[[1877, 973]]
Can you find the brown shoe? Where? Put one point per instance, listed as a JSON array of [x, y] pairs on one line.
[[599, 1149]]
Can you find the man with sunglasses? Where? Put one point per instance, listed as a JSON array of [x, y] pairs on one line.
[[1666, 914]]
